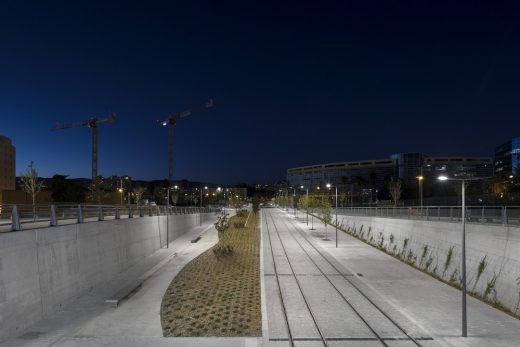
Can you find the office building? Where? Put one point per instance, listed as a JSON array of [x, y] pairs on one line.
[[375, 174], [507, 158], [366, 174], [7, 164]]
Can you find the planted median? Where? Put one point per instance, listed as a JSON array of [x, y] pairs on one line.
[[218, 293]]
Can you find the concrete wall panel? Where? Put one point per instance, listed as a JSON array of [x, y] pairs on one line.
[[499, 245], [43, 270]]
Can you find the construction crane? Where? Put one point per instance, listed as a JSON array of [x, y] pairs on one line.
[[92, 123], [171, 121]]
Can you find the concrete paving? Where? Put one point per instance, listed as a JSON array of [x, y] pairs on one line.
[[349, 295], [421, 305], [136, 322], [315, 301]]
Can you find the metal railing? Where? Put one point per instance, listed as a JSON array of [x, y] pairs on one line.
[[22, 216], [499, 215]]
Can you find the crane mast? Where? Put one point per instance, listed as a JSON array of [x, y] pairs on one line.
[[91, 123], [171, 121]]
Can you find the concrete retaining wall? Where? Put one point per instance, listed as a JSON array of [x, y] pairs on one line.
[[42, 270], [499, 245]]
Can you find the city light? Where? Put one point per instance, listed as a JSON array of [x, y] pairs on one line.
[[442, 178]]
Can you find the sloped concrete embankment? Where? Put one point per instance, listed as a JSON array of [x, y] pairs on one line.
[[42, 270], [493, 249]]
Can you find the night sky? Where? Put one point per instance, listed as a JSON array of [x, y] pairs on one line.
[[295, 83]]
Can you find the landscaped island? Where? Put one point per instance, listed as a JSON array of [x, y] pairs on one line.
[[219, 294]]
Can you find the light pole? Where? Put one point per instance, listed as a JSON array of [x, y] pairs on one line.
[[121, 189], [463, 267], [421, 179], [312, 216], [307, 204], [219, 189], [293, 199], [121, 193], [329, 186], [168, 218]]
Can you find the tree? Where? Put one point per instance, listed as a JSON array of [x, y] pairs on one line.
[[223, 246], [31, 184], [174, 197], [395, 188], [138, 194], [343, 199], [326, 211], [97, 190], [256, 204], [65, 190], [304, 202], [295, 201]]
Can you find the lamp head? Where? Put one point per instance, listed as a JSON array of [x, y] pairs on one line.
[[442, 178]]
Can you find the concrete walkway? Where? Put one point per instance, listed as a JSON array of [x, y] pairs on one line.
[[429, 305], [136, 322]]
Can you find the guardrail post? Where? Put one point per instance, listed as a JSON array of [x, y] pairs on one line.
[[141, 214], [483, 216], [439, 212], [15, 220], [504, 215], [427, 213], [451, 214], [53, 221], [130, 215], [101, 216], [80, 214], [118, 216], [150, 211]]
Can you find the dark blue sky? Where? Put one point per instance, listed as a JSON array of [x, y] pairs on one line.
[[295, 83]]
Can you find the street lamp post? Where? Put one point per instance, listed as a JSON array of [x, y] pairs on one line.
[[463, 265], [307, 198], [421, 179], [168, 218], [329, 186], [121, 189], [295, 204]]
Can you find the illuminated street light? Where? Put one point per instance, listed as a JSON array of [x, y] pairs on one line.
[[302, 187], [330, 186], [421, 179], [463, 270]]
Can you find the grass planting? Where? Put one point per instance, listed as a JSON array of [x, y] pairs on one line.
[[218, 293]]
